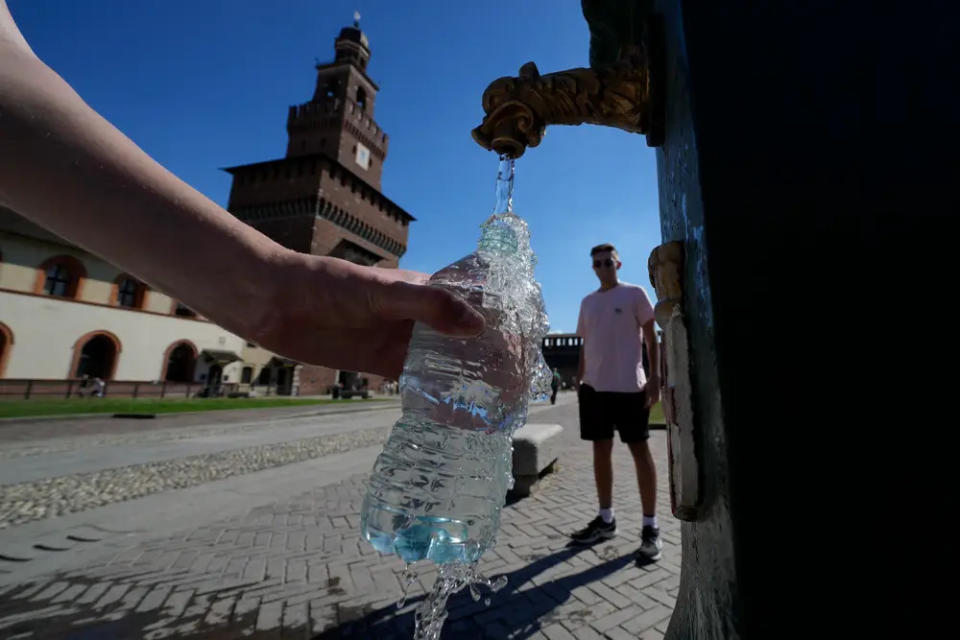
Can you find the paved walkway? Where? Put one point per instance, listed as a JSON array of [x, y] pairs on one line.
[[17, 434], [294, 566]]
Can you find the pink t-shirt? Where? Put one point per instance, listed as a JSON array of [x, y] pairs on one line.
[[610, 324]]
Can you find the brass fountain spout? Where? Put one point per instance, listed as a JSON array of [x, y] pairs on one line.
[[624, 92]]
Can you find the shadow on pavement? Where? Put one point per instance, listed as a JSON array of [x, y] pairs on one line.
[[511, 611]]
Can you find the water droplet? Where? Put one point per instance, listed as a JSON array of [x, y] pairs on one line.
[[407, 577]]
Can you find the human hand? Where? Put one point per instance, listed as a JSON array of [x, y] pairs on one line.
[[331, 312], [652, 392]]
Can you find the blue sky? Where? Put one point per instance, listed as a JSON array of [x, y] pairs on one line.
[[206, 84]]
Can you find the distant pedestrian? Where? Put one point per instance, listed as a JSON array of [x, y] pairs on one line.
[[84, 387], [554, 386]]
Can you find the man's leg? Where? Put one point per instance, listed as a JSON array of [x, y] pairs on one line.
[[603, 471], [650, 545], [646, 476], [634, 416], [604, 526], [596, 427]]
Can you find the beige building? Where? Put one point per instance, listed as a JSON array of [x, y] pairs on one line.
[[65, 314]]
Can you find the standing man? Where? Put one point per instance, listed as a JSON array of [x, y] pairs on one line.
[[554, 386], [615, 321]]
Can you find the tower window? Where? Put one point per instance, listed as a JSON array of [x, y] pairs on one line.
[[361, 98], [333, 88]]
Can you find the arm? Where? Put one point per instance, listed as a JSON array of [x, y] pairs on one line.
[[653, 352], [67, 169], [580, 364]]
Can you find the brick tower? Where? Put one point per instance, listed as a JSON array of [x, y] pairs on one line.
[[324, 196]]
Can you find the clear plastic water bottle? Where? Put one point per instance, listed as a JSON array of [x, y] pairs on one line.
[[437, 488]]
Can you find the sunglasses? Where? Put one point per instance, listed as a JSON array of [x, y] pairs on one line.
[[602, 263]]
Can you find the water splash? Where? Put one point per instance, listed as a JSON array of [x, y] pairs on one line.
[[451, 578], [407, 578]]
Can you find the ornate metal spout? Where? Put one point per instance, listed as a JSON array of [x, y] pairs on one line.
[[624, 94]]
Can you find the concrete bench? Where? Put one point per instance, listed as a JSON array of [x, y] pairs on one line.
[[535, 451]]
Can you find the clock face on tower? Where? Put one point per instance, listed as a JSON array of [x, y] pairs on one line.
[[363, 156]]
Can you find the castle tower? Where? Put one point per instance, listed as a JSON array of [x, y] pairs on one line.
[[338, 120], [324, 196]]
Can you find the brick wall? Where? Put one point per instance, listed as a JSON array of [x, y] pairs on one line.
[[315, 380]]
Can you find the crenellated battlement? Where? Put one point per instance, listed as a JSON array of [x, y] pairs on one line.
[[334, 111]]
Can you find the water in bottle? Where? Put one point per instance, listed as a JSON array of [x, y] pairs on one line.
[[437, 489]]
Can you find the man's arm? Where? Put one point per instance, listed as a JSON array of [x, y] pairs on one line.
[[581, 330], [653, 353], [580, 364], [67, 169]]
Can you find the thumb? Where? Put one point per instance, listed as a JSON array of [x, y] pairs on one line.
[[438, 308]]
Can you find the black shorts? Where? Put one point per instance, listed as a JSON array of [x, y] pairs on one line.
[[602, 411]]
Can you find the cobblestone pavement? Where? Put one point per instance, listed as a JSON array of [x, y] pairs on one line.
[[296, 568], [55, 496]]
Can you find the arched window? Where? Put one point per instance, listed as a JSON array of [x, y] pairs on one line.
[[264, 377], [179, 361], [95, 355], [60, 276], [361, 98], [128, 292], [182, 310], [58, 280]]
